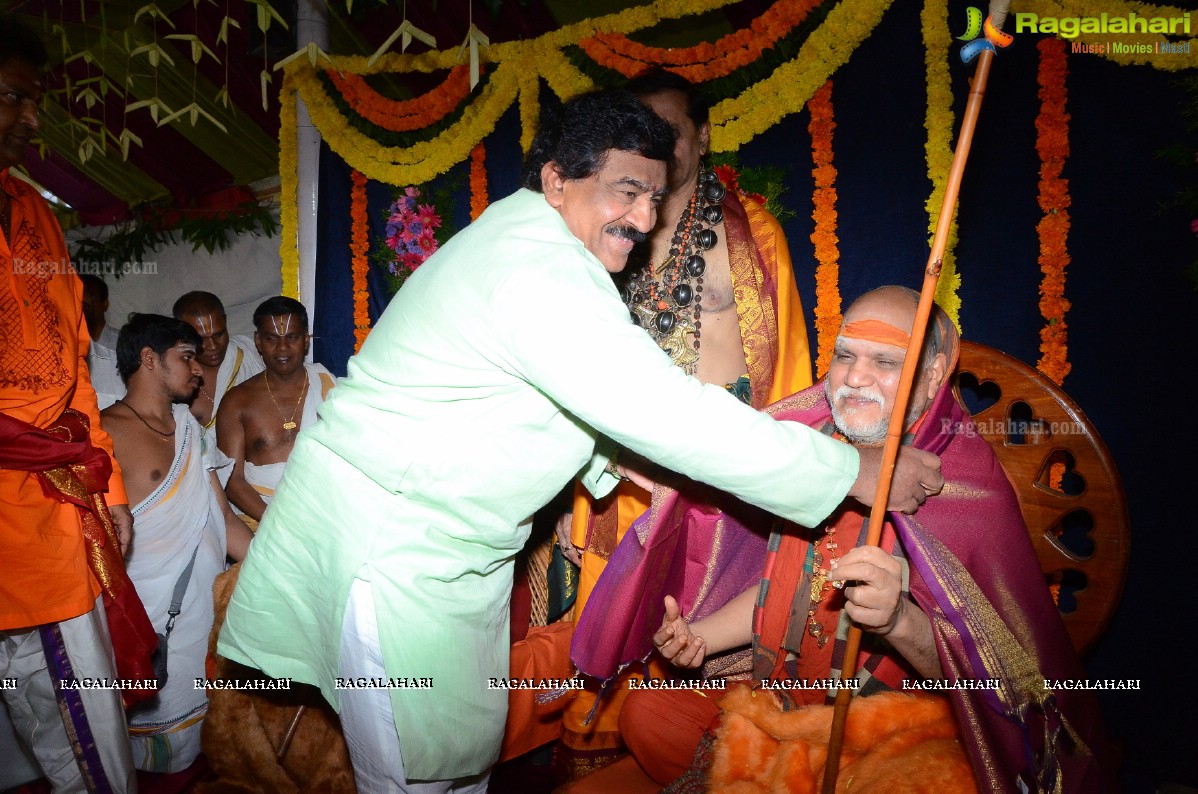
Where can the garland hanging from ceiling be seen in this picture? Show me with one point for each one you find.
(413, 141)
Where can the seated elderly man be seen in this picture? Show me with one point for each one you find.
(954, 593)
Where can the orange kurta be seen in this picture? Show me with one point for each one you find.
(774, 334)
(43, 371)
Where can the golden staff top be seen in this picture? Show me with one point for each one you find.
(894, 432)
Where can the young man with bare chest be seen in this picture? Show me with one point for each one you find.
(224, 360)
(183, 527)
(259, 419)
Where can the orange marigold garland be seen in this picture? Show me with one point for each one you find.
(408, 114)
(1052, 143)
(478, 181)
(359, 244)
(708, 60)
(827, 251)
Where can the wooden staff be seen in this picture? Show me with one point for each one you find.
(894, 432)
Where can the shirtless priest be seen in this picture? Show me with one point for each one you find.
(260, 418)
(183, 527)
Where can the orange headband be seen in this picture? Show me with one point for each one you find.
(876, 331)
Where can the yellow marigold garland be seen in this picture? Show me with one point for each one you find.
(420, 162)
(938, 43)
(478, 181)
(1052, 143)
(708, 60)
(737, 120)
(288, 185)
(827, 252)
(359, 245)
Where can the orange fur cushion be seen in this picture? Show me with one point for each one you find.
(244, 729)
(894, 743)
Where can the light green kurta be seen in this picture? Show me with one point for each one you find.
(479, 395)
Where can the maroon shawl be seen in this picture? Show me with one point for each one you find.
(973, 571)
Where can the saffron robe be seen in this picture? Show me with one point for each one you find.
(43, 371)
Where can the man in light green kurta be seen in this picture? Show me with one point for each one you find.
(492, 379)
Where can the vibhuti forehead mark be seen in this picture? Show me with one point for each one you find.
(286, 329)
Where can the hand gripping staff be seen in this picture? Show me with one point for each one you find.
(984, 50)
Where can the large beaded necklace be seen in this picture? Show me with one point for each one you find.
(667, 300)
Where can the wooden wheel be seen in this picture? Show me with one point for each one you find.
(1068, 487)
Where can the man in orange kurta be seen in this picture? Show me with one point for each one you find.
(752, 310)
(52, 622)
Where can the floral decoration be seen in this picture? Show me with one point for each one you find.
(1052, 143)
(827, 250)
(411, 232)
(288, 185)
(938, 120)
(705, 61)
(359, 246)
(478, 181)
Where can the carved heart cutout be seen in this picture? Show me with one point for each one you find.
(1059, 475)
(1065, 586)
(1024, 428)
(1072, 534)
(977, 395)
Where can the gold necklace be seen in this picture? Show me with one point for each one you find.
(819, 585)
(164, 436)
(288, 424)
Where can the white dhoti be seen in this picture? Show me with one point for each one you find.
(182, 515)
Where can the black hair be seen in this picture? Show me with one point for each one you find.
(579, 135)
(197, 302)
(95, 283)
(18, 41)
(658, 81)
(280, 305)
(154, 331)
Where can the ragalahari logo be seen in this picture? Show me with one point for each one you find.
(992, 36)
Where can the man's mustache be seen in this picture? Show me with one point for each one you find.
(628, 233)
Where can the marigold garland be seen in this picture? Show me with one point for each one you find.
(938, 44)
(408, 114)
(1052, 143)
(478, 181)
(288, 185)
(359, 245)
(737, 120)
(705, 61)
(827, 251)
(422, 161)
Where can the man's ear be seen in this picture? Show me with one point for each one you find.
(936, 374)
(553, 184)
(148, 357)
(704, 139)
(257, 342)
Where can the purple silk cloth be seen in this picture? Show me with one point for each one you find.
(712, 557)
(973, 571)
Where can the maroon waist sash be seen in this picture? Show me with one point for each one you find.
(72, 470)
